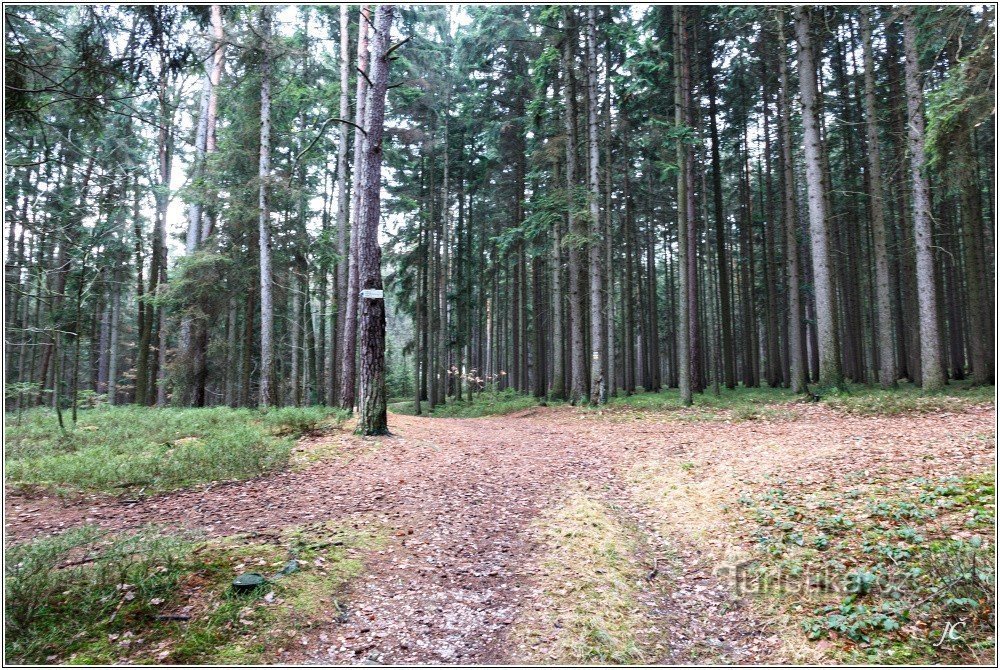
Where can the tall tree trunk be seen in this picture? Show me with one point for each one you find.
(372, 419)
(444, 368)
(886, 350)
(116, 307)
(557, 388)
(349, 337)
(103, 344)
(268, 395)
(932, 372)
(343, 249)
(728, 362)
(971, 213)
(598, 384)
(576, 230)
(796, 344)
(830, 374)
(772, 276)
(683, 185)
(611, 363)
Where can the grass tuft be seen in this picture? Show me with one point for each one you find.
(908, 399)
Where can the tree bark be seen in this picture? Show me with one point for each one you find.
(576, 231)
(349, 337)
(598, 335)
(267, 391)
(372, 419)
(343, 249)
(683, 185)
(830, 374)
(796, 344)
(886, 350)
(932, 372)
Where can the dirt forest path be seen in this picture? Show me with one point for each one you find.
(458, 495)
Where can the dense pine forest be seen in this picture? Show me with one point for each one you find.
(499, 334)
(576, 202)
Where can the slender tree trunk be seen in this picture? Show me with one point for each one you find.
(103, 344)
(349, 337)
(829, 362)
(576, 231)
(728, 362)
(295, 331)
(343, 249)
(268, 394)
(796, 344)
(443, 276)
(886, 350)
(372, 419)
(598, 384)
(971, 216)
(932, 372)
(681, 122)
(611, 363)
(116, 305)
(557, 388)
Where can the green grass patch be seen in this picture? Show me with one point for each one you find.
(909, 399)
(115, 448)
(739, 404)
(486, 403)
(88, 597)
(886, 573)
(779, 404)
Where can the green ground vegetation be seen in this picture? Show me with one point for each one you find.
(739, 404)
(899, 573)
(113, 449)
(486, 403)
(87, 596)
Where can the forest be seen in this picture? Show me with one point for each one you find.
(235, 234)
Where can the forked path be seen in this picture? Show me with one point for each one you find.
(457, 495)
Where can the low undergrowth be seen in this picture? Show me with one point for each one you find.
(115, 448)
(780, 404)
(738, 404)
(886, 573)
(588, 580)
(88, 597)
(486, 403)
(908, 399)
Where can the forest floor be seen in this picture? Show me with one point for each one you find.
(561, 535)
